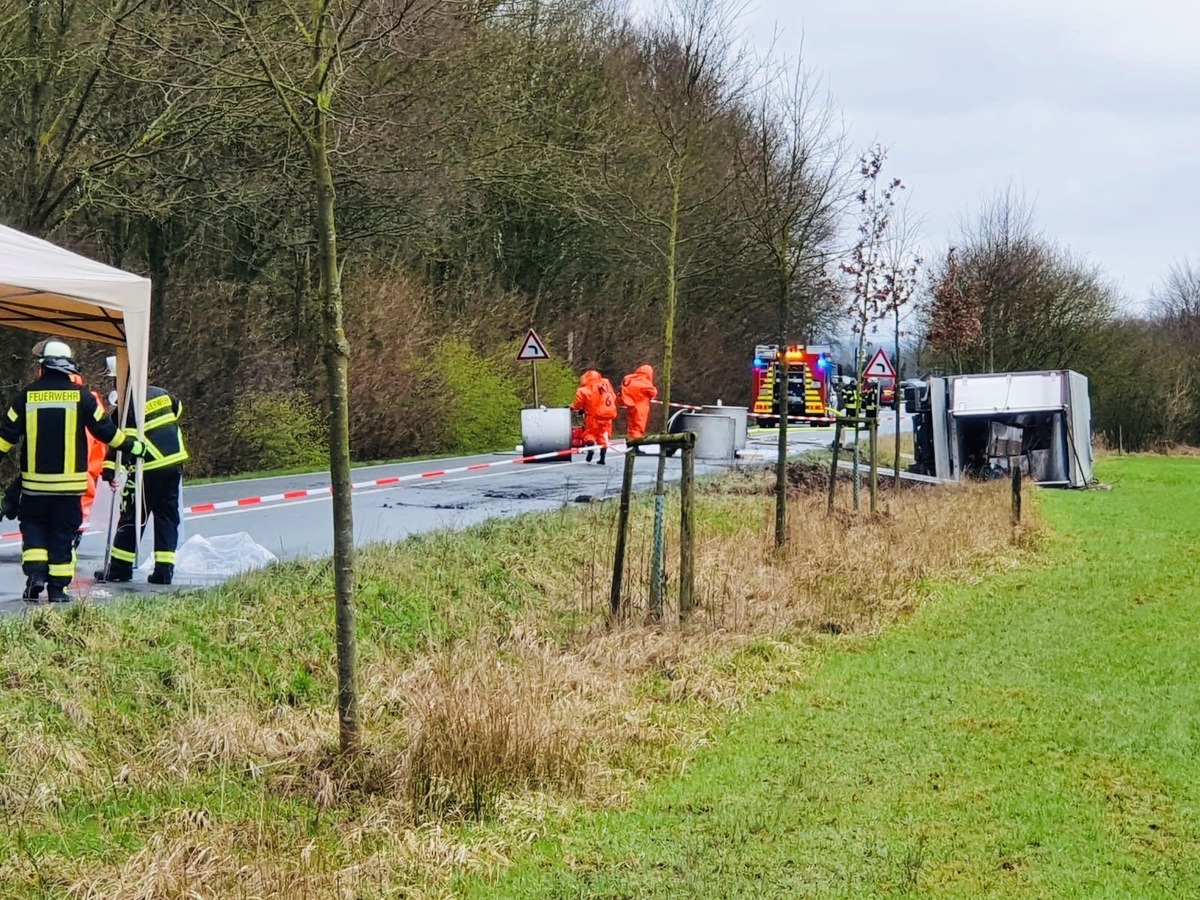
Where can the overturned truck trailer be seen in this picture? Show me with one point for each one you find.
(981, 426)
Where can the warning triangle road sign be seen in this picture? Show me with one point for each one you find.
(879, 366)
(533, 350)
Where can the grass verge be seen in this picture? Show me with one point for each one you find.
(152, 749)
(1034, 735)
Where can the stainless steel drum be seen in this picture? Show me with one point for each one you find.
(545, 430)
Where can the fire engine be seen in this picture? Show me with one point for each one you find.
(810, 374)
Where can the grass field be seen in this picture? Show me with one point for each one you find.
(187, 748)
(1035, 734)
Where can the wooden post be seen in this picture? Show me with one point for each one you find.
(684, 440)
(614, 598)
(1016, 493)
(875, 465)
(833, 469)
(687, 532)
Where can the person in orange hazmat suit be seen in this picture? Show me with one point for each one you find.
(637, 390)
(598, 402)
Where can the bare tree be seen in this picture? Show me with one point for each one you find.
(300, 64)
(1039, 306)
(901, 283)
(791, 192)
(869, 265)
(693, 80)
(953, 313)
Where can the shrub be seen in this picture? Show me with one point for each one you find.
(283, 430)
(481, 399)
(396, 407)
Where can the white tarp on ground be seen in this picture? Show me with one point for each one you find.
(52, 291)
(217, 557)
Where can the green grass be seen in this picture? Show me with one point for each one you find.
(1033, 735)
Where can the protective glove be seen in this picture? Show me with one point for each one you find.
(109, 475)
(135, 449)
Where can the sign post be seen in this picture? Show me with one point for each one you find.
(532, 351)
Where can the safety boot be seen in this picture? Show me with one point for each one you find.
(162, 574)
(588, 456)
(33, 588)
(603, 453)
(57, 593)
(117, 571)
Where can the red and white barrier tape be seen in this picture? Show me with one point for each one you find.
(241, 503)
(201, 508)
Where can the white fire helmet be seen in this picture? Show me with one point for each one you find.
(56, 350)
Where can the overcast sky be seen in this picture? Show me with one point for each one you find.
(1091, 108)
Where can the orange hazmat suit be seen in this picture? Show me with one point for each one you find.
(637, 390)
(598, 401)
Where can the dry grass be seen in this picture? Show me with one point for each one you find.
(493, 686)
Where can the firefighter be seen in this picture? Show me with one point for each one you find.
(598, 402)
(162, 485)
(53, 415)
(870, 400)
(853, 399)
(637, 390)
(10, 508)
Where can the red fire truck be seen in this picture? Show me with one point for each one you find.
(811, 374)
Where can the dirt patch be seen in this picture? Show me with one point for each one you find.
(804, 478)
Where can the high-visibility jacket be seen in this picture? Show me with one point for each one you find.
(164, 438)
(870, 400)
(54, 417)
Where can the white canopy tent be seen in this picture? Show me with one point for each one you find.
(53, 291)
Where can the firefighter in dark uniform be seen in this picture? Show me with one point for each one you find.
(162, 482)
(853, 400)
(870, 400)
(53, 415)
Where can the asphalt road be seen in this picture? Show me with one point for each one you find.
(303, 528)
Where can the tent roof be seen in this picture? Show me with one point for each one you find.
(47, 289)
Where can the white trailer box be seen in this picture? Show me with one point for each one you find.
(1046, 418)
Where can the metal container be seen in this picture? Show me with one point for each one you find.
(741, 418)
(716, 436)
(545, 430)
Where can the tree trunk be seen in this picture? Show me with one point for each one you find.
(896, 403)
(337, 364)
(158, 259)
(781, 455)
(657, 560)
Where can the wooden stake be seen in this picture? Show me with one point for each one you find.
(833, 469)
(1016, 493)
(614, 597)
(874, 424)
(687, 533)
